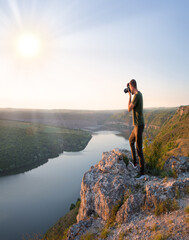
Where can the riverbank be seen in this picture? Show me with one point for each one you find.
(25, 146)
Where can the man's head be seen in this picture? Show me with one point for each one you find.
(133, 86)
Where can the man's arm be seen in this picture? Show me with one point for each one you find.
(130, 104)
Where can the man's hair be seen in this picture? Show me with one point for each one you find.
(133, 83)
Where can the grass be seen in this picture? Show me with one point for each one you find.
(165, 179)
(127, 195)
(88, 236)
(186, 209)
(104, 233)
(187, 221)
(165, 206)
(154, 227)
(160, 236)
(177, 193)
(116, 207)
(186, 190)
(172, 139)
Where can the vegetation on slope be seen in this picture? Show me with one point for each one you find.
(172, 139)
(154, 119)
(24, 146)
(60, 229)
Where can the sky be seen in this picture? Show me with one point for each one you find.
(83, 53)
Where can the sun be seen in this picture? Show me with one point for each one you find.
(28, 45)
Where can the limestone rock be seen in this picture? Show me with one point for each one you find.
(158, 190)
(179, 164)
(112, 181)
(104, 184)
(77, 230)
(131, 206)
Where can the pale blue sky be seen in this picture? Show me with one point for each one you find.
(91, 49)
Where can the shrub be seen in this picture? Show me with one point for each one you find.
(172, 173)
(153, 153)
(72, 206)
(125, 159)
(171, 145)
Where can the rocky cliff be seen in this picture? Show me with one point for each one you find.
(117, 205)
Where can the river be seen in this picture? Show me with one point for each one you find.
(33, 201)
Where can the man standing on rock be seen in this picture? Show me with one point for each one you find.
(136, 105)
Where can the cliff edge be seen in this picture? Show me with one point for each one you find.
(117, 205)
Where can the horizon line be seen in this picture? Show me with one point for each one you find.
(68, 109)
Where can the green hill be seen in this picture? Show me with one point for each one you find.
(154, 119)
(174, 134)
(24, 146)
(171, 140)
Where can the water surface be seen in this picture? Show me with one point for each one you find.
(33, 201)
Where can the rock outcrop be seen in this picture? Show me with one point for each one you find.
(103, 185)
(112, 196)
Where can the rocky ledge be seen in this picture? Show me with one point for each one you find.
(117, 205)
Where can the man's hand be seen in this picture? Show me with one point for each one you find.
(130, 104)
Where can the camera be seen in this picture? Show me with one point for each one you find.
(126, 90)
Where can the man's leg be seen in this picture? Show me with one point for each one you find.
(139, 147)
(132, 145)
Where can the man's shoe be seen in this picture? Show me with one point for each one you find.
(133, 165)
(139, 175)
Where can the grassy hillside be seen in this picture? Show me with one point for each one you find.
(172, 139)
(174, 134)
(24, 146)
(154, 120)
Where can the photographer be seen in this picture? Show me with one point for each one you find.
(136, 105)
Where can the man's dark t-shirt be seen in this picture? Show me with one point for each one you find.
(137, 101)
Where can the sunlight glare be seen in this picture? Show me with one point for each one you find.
(28, 45)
